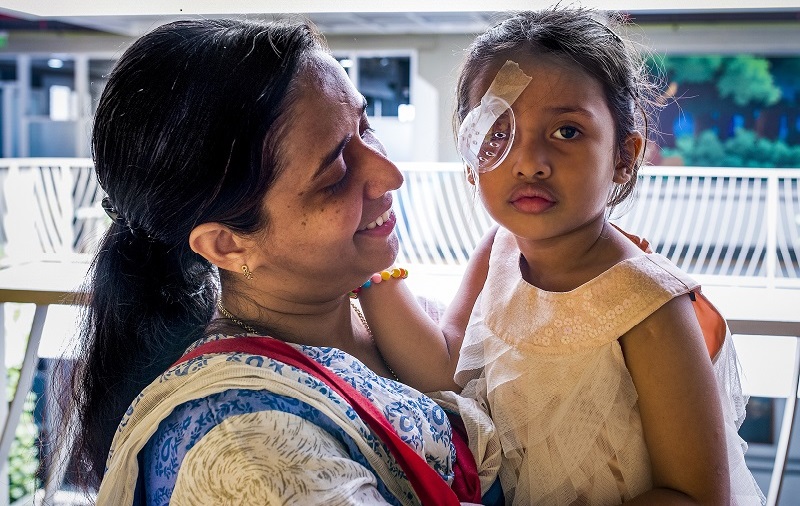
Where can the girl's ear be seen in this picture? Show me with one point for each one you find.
(219, 245)
(630, 152)
(470, 174)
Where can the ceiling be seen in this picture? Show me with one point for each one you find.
(134, 17)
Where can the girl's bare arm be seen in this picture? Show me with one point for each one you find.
(424, 353)
(680, 409)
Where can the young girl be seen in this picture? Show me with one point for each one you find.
(587, 351)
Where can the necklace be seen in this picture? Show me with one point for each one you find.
(372, 338)
(227, 314)
(234, 319)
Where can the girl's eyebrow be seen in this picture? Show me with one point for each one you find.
(569, 110)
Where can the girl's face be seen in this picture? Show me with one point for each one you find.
(563, 162)
(336, 182)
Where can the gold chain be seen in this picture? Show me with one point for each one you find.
(372, 338)
(234, 319)
(361, 317)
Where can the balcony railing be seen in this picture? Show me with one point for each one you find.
(729, 226)
(723, 225)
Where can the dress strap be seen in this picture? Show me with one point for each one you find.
(713, 325)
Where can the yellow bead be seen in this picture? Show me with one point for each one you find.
(385, 275)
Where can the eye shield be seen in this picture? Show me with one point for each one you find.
(487, 132)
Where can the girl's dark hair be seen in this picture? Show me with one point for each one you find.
(186, 132)
(576, 36)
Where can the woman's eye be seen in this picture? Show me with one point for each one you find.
(338, 185)
(368, 132)
(566, 132)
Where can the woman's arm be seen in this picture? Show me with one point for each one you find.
(679, 406)
(421, 352)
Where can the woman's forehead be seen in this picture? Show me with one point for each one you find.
(325, 109)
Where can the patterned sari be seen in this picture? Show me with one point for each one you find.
(242, 428)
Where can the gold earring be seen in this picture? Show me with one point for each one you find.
(246, 272)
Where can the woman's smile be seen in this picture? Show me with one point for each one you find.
(382, 226)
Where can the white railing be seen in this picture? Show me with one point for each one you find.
(722, 225)
(49, 206)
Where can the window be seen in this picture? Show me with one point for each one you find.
(384, 80)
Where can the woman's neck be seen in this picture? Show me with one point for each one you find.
(317, 323)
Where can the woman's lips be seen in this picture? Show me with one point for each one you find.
(383, 224)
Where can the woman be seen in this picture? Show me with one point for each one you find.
(249, 195)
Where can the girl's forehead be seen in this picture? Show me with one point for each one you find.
(543, 69)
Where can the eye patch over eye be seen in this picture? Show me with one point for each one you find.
(487, 132)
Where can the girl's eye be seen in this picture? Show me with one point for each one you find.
(566, 133)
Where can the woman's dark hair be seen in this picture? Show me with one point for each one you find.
(576, 36)
(186, 132)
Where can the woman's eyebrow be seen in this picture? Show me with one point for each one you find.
(332, 156)
(335, 152)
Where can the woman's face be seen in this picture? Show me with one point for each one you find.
(335, 185)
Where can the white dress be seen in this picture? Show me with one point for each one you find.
(549, 368)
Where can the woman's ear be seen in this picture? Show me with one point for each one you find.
(629, 153)
(219, 245)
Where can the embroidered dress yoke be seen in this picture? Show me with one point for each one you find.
(550, 368)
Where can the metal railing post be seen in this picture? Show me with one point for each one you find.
(772, 229)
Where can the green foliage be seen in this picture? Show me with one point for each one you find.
(692, 69)
(786, 72)
(747, 79)
(23, 457)
(744, 149)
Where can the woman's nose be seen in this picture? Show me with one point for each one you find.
(382, 175)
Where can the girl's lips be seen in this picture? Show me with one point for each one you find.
(532, 199)
(533, 205)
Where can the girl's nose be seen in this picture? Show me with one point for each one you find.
(532, 162)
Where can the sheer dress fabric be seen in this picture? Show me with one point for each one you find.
(549, 368)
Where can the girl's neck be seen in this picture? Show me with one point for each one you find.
(563, 263)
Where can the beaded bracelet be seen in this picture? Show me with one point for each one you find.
(393, 273)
